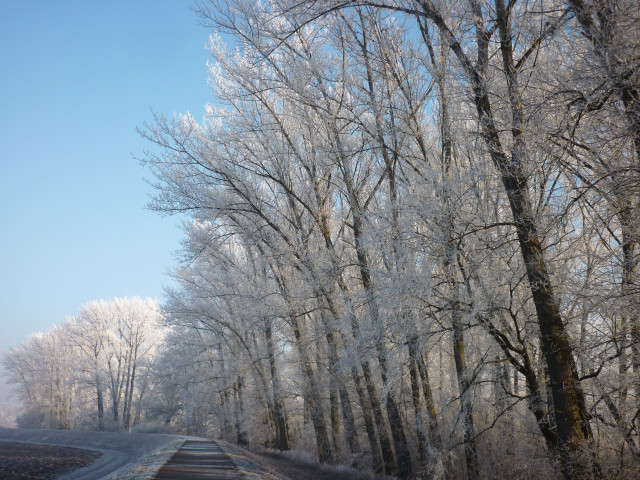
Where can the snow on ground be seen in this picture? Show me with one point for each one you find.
(124, 455)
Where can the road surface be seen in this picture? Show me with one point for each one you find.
(199, 460)
(125, 456)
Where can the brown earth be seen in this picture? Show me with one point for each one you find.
(28, 461)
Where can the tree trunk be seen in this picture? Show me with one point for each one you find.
(314, 400)
(368, 416)
(279, 413)
(459, 355)
(322, 327)
(100, 401)
(127, 382)
(419, 375)
(428, 398)
(565, 385)
(630, 291)
(336, 378)
(417, 414)
(127, 416)
(334, 415)
(390, 466)
(466, 405)
(243, 439)
(345, 403)
(372, 410)
(568, 400)
(403, 457)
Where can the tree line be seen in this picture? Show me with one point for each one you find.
(411, 236)
(92, 371)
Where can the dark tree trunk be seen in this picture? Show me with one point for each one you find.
(279, 414)
(334, 415)
(417, 415)
(403, 457)
(313, 399)
(428, 398)
(466, 405)
(339, 389)
(369, 422)
(388, 457)
(127, 415)
(100, 401)
(243, 439)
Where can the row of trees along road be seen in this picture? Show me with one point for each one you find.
(411, 238)
(92, 371)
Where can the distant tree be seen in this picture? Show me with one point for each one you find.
(106, 343)
(43, 371)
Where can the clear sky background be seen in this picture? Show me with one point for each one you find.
(76, 79)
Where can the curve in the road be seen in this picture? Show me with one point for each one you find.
(199, 460)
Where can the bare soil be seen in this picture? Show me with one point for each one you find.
(28, 461)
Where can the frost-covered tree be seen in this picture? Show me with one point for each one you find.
(70, 375)
(44, 373)
(406, 205)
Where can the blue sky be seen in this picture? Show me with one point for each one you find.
(76, 79)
